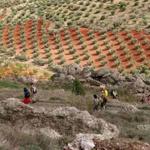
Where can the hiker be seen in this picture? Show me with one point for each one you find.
(33, 91)
(96, 102)
(26, 99)
(114, 94)
(104, 96)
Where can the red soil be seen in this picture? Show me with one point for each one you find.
(17, 40)
(28, 38)
(39, 37)
(5, 37)
(83, 46)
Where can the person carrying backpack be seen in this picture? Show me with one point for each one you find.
(26, 99)
(96, 102)
(104, 96)
(114, 94)
(33, 91)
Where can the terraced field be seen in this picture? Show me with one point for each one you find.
(95, 33)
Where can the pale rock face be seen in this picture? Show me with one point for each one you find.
(139, 83)
(50, 133)
(86, 141)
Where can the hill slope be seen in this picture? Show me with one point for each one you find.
(95, 33)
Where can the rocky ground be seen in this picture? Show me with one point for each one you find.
(61, 120)
(136, 84)
(19, 121)
(56, 118)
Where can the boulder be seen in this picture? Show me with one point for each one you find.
(139, 83)
(120, 144)
(48, 132)
(144, 127)
(91, 81)
(104, 72)
(27, 80)
(57, 69)
(86, 73)
(72, 69)
(70, 78)
(147, 81)
(118, 106)
(130, 78)
(62, 76)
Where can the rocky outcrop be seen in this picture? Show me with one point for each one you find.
(90, 142)
(120, 144)
(27, 80)
(138, 84)
(70, 72)
(55, 123)
(117, 106)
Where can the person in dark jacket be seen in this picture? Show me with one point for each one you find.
(96, 102)
(26, 99)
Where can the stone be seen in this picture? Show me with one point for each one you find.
(91, 81)
(103, 72)
(130, 78)
(74, 69)
(70, 77)
(48, 132)
(122, 107)
(62, 76)
(86, 141)
(139, 83)
(144, 127)
(28, 80)
(86, 73)
(147, 81)
(57, 69)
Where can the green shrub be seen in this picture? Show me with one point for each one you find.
(77, 87)
(21, 57)
(39, 62)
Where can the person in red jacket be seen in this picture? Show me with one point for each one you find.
(26, 99)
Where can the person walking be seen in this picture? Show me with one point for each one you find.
(33, 91)
(104, 96)
(26, 99)
(96, 102)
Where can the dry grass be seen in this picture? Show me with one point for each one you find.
(22, 141)
(128, 122)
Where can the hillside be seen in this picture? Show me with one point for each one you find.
(73, 51)
(95, 33)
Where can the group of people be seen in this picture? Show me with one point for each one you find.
(102, 99)
(98, 101)
(29, 94)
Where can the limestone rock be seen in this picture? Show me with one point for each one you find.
(66, 116)
(27, 80)
(103, 72)
(87, 72)
(50, 133)
(122, 106)
(139, 83)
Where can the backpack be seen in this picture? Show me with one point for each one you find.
(34, 90)
(26, 94)
(114, 93)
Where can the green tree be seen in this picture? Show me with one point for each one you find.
(77, 87)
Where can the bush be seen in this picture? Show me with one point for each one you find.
(21, 57)
(77, 88)
(39, 62)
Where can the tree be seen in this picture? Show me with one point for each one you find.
(77, 88)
